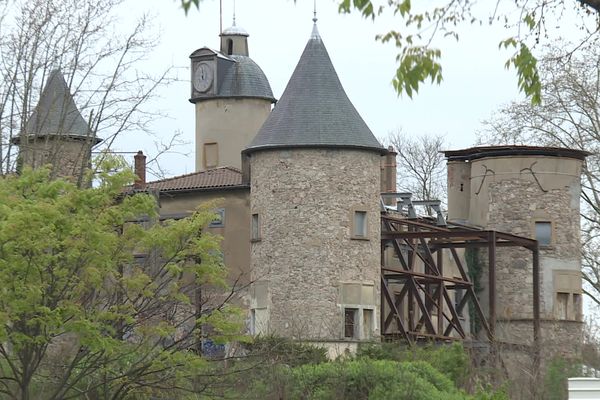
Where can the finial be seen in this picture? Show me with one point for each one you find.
(233, 12)
(315, 31)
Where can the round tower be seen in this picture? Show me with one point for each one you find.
(315, 205)
(532, 192)
(232, 97)
(56, 133)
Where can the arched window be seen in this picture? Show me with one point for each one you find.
(229, 46)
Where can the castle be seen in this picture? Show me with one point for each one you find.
(315, 235)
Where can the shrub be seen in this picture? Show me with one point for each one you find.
(277, 350)
(451, 360)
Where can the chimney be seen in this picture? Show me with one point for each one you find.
(140, 170)
(388, 175)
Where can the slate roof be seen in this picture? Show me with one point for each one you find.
(245, 78)
(314, 110)
(56, 112)
(221, 177)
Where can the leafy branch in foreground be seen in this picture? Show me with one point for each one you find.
(422, 25)
(95, 303)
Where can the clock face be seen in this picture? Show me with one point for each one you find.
(203, 77)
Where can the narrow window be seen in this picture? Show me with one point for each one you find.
(229, 46)
(255, 227)
(252, 322)
(562, 304)
(543, 233)
(367, 324)
(211, 155)
(219, 220)
(458, 297)
(350, 320)
(577, 306)
(360, 224)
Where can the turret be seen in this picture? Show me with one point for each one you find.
(533, 192)
(56, 133)
(315, 205)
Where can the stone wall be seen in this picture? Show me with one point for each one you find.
(514, 207)
(68, 157)
(305, 199)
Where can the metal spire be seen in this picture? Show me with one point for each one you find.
(233, 12)
(315, 11)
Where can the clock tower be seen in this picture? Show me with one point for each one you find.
(232, 97)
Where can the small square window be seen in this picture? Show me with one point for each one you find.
(543, 233)
(350, 322)
(219, 220)
(255, 228)
(360, 224)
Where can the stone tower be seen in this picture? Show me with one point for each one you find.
(56, 133)
(232, 97)
(315, 205)
(532, 192)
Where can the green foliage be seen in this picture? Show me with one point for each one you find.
(379, 371)
(451, 360)
(526, 65)
(187, 4)
(79, 313)
(277, 350)
(556, 378)
(418, 61)
(370, 379)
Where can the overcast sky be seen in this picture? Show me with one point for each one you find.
(475, 81)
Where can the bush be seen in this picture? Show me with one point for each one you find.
(277, 350)
(556, 378)
(370, 379)
(451, 360)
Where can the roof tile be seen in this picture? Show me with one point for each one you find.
(213, 178)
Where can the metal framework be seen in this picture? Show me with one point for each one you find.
(418, 302)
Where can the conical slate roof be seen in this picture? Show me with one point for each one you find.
(314, 110)
(56, 112)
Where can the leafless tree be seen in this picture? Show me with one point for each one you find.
(568, 117)
(421, 166)
(99, 61)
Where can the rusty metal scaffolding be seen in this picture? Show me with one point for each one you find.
(410, 295)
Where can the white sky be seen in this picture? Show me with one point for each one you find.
(475, 81)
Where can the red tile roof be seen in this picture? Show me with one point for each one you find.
(213, 178)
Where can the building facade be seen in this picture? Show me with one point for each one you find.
(298, 193)
(531, 192)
